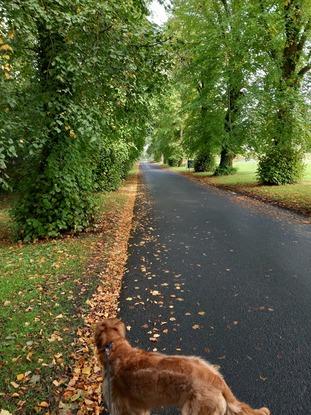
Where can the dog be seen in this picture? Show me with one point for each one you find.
(141, 381)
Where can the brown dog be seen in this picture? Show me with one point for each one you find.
(142, 380)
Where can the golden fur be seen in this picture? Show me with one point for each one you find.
(141, 381)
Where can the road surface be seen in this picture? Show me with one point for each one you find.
(212, 275)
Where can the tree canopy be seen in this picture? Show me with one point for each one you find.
(242, 77)
(76, 81)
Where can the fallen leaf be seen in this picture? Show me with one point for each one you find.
(43, 404)
(35, 379)
(86, 370)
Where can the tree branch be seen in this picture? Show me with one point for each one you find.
(224, 2)
(271, 51)
(304, 70)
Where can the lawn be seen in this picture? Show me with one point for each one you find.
(43, 291)
(295, 196)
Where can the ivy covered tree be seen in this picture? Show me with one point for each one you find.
(285, 28)
(83, 73)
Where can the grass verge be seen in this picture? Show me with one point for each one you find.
(44, 288)
(295, 197)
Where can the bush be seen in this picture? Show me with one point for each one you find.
(225, 171)
(57, 196)
(110, 169)
(204, 161)
(280, 166)
(174, 161)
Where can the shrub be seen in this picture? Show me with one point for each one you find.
(280, 166)
(56, 197)
(174, 161)
(204, 161)
(224, 171)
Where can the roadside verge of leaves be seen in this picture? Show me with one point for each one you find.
(82, 394)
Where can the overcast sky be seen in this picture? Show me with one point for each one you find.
(158, 14)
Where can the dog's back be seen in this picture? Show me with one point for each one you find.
(144, 380)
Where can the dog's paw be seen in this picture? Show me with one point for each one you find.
(264, 411)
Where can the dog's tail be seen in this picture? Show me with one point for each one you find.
(235, 407)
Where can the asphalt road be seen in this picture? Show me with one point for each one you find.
(212, 275)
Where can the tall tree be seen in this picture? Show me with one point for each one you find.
(285, 29)
(213, 66)
(90, 67)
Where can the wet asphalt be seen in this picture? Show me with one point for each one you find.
(212, 275)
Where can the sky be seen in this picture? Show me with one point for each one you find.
(158, 13)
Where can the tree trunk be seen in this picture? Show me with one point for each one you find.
(226, 159)
(227, 155)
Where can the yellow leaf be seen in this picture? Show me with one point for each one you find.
(43, 404)
(86, 370)
(21, 376)
(6, 48)
(72, 134)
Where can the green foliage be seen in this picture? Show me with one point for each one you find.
(242, 78)
(224, 171)
(111, 168)
(77, 77)
(167, 131)
(59, 198)
(204, 161)
(280, 166)
(174, 161)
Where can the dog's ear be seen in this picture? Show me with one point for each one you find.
(100, 330)
(120, 326)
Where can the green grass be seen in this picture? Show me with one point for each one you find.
(42, 285)
(294, 196)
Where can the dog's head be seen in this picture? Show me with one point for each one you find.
(108, 331)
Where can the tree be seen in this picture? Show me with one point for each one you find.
(242, 71)
(90, 69)
(213, 66)
(167, 129)
(285, 29)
